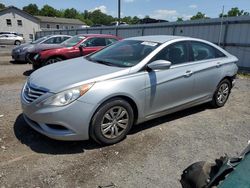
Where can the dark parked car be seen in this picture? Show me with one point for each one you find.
(79, 45)
(226, 172)
(22, 52)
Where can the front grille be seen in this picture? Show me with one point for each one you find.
(30, 94)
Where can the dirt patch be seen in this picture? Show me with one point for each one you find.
(154, 154)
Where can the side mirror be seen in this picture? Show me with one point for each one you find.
(159, 65)
(83, 45)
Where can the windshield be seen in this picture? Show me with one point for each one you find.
(39, 40)
(125, 53)
(73, 41)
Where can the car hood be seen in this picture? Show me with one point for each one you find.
(71, 73)
(41, 47)
(23, 46)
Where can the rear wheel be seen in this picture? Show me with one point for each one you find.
(112, 122)
(222, 93)
(52, 60)
(17, 42)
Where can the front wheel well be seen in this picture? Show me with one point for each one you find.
(127, 99)
(55, 56)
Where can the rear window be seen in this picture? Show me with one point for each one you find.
(202, 51)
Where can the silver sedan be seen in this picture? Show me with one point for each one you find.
(102, 95)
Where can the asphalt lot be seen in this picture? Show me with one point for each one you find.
(154, 154)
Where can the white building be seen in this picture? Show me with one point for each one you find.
(13, 19)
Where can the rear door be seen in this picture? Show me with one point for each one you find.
(207, 70)
(171, 88)
(93, 44)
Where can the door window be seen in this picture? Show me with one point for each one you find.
(53, 40)
(95, 42)
(201, 51)
(176, 53)
(110, 41)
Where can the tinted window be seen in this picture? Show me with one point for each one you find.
(201, 51)
(110, 41)
(95, 42)
(53, 40)
(175, 53)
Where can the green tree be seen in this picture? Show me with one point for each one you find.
(135, 20)
(31, 9)
(2, 6)
(179, 19)
(97, 17)
(235, 11)
(50, 11)
(70, 13)
(198, 16)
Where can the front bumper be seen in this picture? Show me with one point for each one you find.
(69, 122)
(18, 56)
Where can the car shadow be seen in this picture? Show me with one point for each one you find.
(168, 118)
(42, 144)
(28, 72)
(17, 62)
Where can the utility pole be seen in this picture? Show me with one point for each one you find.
(221, 24)
(119, 11)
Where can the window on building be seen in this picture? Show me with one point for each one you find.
(57, 26)
(19, 22)
(72, 27)
(66, 27)
(48, 26)
(31, 37)
(8, 21)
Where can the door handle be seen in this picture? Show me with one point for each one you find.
(218, 64)
(188, 73)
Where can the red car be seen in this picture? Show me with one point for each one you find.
(79, 45)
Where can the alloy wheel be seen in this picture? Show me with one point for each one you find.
(114, 122)
(223, 93)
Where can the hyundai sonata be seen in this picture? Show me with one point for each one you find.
(100, 96)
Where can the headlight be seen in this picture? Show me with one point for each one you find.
(66, 97)
(36, 56)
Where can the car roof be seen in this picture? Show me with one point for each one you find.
(97, 35)
(156, 38)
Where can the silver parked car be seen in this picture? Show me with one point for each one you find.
(20, 53)
(103, 94)
(11, 39)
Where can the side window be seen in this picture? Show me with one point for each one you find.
(53, 40)
(95, 42)
(201, 51)
(110, 41)
(176, 53)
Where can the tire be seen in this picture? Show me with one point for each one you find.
(111, 122)
(17, 42)
(52, 60)
(221, 94)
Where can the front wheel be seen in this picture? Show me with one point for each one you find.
(52, 60)
(222, 93)
(112, 122)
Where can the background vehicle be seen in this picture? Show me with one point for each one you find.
(20, 53)
(11, 39)
(226, 172)
(76, 46)
(116, 23)
(103, 94)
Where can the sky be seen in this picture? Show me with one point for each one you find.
(159, 9)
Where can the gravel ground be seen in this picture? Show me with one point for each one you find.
(153, 155)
